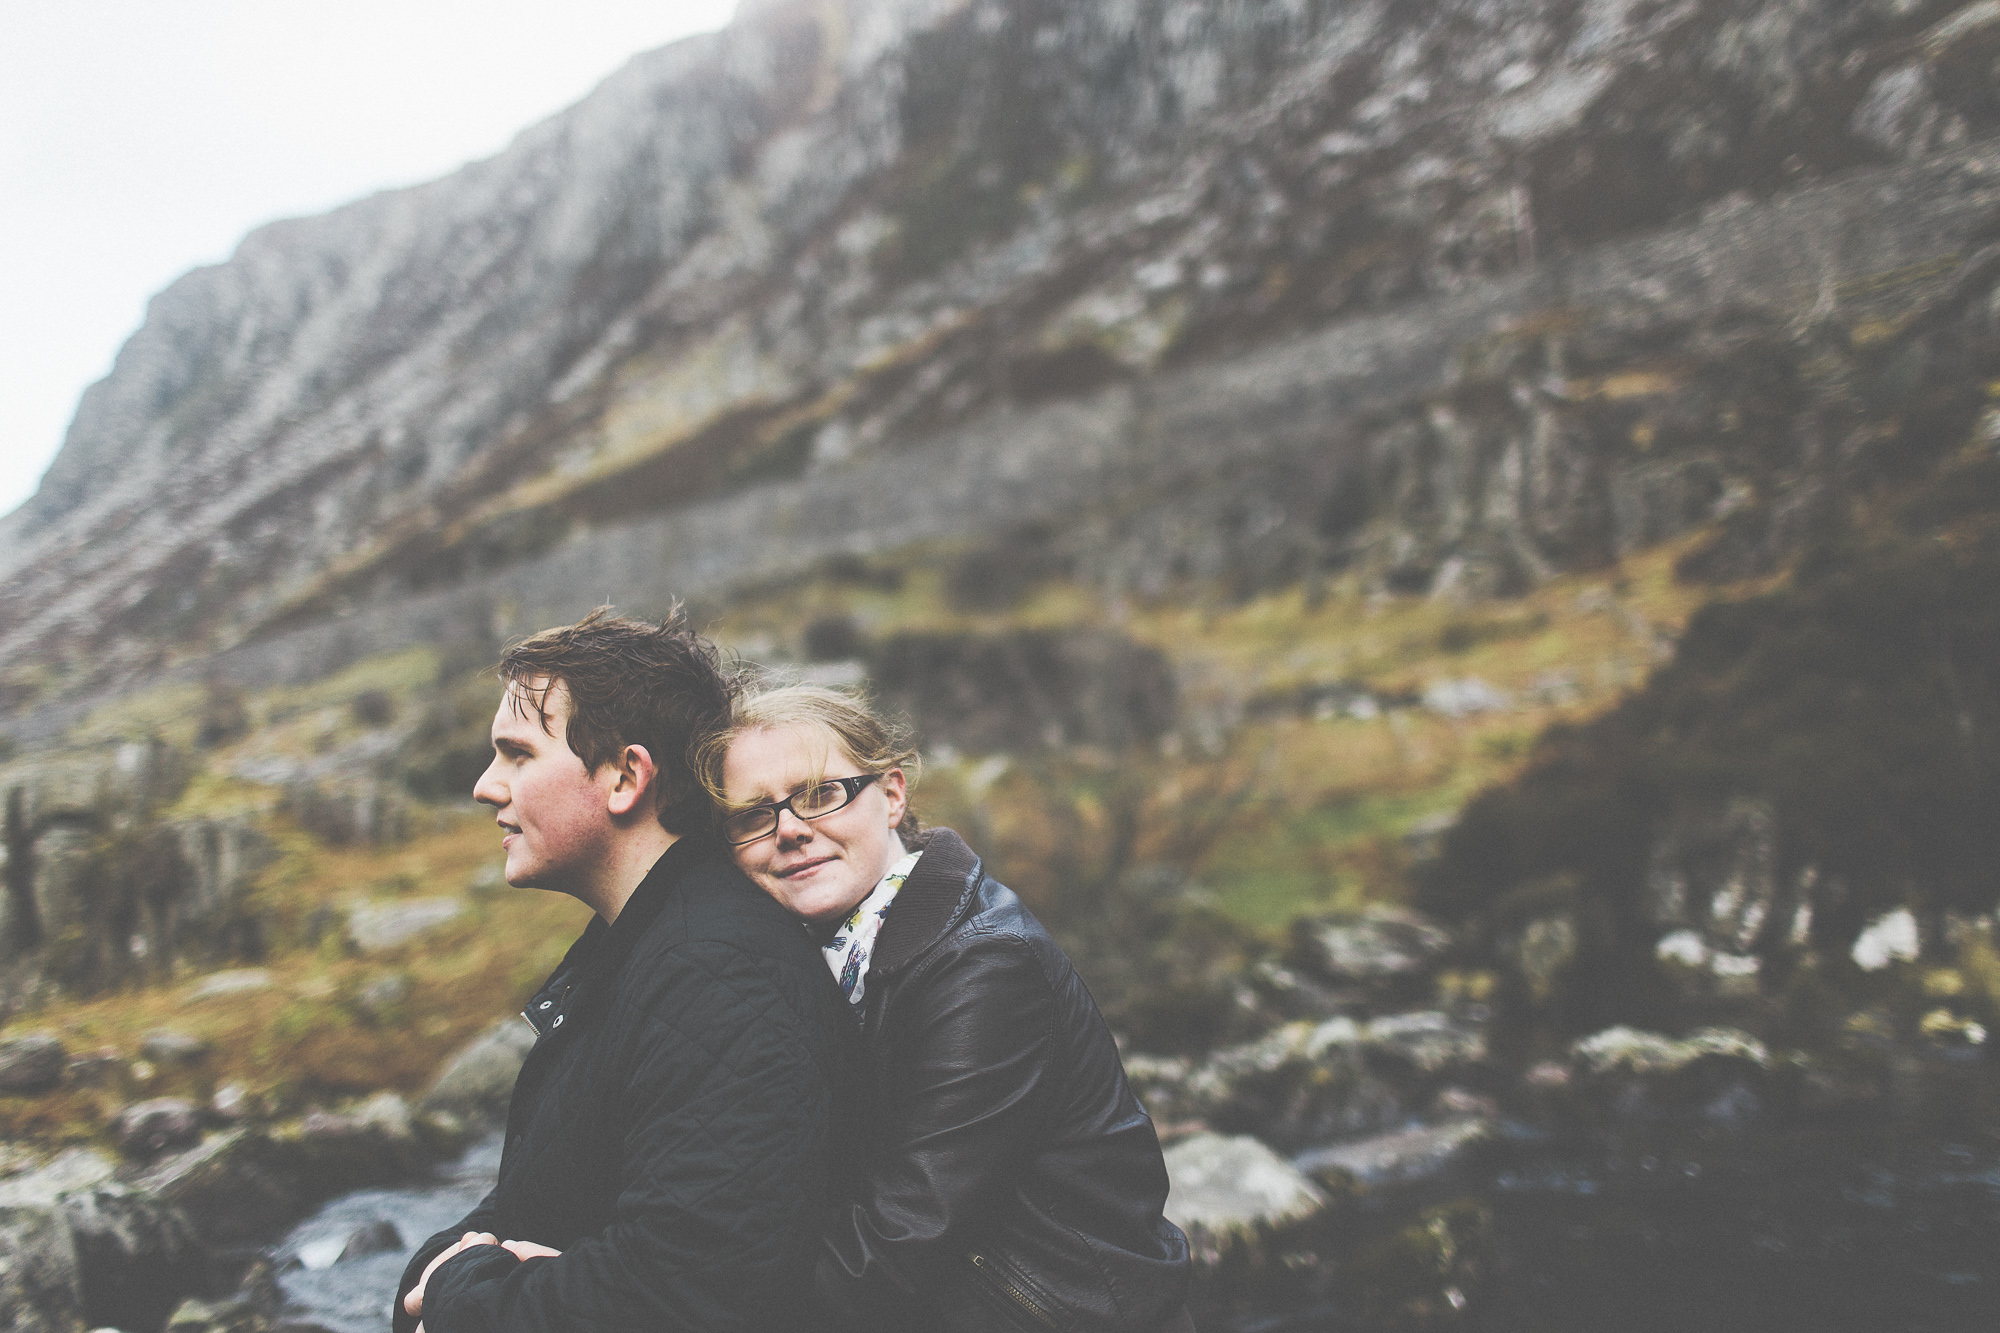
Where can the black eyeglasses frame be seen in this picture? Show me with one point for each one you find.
(852, 786)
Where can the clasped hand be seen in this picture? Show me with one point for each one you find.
(520, 1249)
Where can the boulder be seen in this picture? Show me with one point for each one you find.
(146, 1129)
(1377, 946)
(377, 1237)
(380, 997)
(163, 1046)
(236, 1188)
(70, 1171)
(236, 982)
(1624, 1050)
(1226, 1189)
(375, 927)
(31, 1064)
(373, 1142)
(1402, 1157)
(95, 1068)
(1428, 1040)
(478, 1081)
(137, 1256)
(40, 1287)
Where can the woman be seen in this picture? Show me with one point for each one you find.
(1008, 1179)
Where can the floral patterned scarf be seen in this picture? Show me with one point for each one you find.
(847, 952)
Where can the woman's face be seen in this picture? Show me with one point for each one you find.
(819, 869)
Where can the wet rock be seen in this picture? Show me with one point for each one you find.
(373, 1142)
(137, 1256)
(70, 1171)
(31, 1064)
(164, 1046)
(1225, 1189)
(232, 1102)
(1405, 1156)
(235, 982)
(378, 1237)
(477, 1082)
(1631, 1051)
(1889, 938)
(1378, 945)
(375, 927)
(40, 1288)
(236, 1188)
(1464, 697)
(1429, 1040)
(164, 1124)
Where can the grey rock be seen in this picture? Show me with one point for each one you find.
(40, 1281)
(95, 1069)
(235, 982)
(1406, 1156)
(164, 1124)
(477, 1082)
(31, 1064)
(137, 1256)
(377, 1237)
(72, 1170)
(235, 1188)
(163, 1046)
(375, 927)
(384, 993)
(1379, 944)
(1228, 1188)
(1430, 1040)
(1624, 1050)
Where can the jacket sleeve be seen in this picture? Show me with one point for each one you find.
(483, 1218)
(963, 1103)
(722, 1168)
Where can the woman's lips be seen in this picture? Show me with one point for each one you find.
(803, 866)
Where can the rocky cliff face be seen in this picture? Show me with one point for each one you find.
(857, 240)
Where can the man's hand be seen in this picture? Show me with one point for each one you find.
(414, 1302)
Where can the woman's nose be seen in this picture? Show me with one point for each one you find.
(791, 829)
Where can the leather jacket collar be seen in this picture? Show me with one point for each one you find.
(940, 890)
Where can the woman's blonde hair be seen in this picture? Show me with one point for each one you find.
(875, 743)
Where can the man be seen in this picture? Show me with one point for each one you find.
(673, 1134)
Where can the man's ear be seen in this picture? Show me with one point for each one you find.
(633, 777)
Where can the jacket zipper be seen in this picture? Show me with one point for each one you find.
(1006, 1284)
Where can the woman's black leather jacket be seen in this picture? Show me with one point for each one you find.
(1008, 1178)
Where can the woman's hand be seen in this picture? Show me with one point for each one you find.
(527, 1249)
(414, 1302)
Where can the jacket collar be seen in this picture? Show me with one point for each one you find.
(946, 878)
(602, 949)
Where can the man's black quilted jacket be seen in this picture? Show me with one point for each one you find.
(674, 1130)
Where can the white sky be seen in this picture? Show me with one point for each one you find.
(139, 138)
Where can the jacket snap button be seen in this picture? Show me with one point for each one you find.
(558, 1022)
(547, 1003)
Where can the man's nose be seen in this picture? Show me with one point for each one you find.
(489, 790)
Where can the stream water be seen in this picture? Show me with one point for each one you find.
(352, 1295)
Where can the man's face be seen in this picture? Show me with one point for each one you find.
(552, 811)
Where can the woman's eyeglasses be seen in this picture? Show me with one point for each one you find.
(821, 798)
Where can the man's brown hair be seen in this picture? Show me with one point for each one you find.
(632, 683)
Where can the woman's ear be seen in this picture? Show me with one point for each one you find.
(633, 776)
(897, 788)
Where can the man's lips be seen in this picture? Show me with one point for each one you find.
(802, 867)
